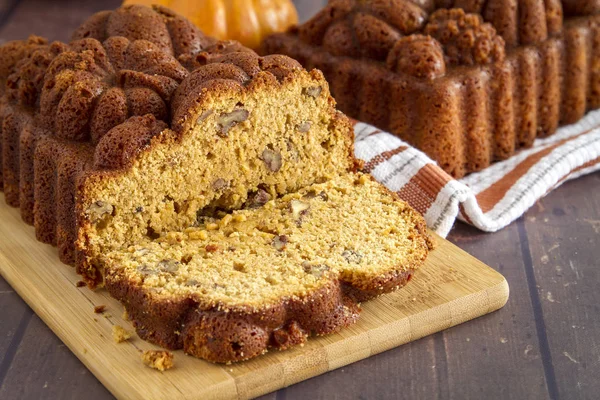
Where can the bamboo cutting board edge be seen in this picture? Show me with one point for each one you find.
(453, 287)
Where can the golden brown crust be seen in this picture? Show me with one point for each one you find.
(227, 71)
(119, 147)
(417, 55)
(171, 33)
(505, 61)
(229, 335)
(581, 7)
(13, 52)
(466, 39)
(95, 87)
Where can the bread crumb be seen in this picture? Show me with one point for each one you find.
(107, 315)
(161, 360)
(125, 315)
(239, 217)
(570, 357)
(120, 334)
(99, 309)
(84, 350)
(198, 235)
(80, 284)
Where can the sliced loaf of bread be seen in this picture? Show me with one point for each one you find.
(212, 191)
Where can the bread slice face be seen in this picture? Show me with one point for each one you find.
(237, 284)
(232, 143)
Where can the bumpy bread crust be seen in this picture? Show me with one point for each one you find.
(417, 55)
(466, 39)
(511, 65)
(13, 52)
(95, 87)
(168, 31)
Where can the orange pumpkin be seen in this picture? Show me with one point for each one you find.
(247, 21)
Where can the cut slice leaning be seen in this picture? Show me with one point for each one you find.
(233, 286)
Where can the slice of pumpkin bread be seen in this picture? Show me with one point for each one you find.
(237, 284)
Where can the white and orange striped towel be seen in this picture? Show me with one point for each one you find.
(490, 199)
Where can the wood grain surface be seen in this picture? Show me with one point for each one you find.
(451, 288)
(517, 352)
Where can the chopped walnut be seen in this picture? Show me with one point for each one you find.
(170, 266)
(272, 159)
(258, 199)
(280, 242)
(303, 127)
(312, 194)
(352, 256)
(99, 210)
(203, 116)
(227, 121)
(316, 270)
(312, 91)
(299, 208)
(220, 184)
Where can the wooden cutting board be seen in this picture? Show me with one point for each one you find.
(451, 288)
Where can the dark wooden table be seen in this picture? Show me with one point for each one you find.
(545, 343)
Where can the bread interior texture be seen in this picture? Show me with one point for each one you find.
(348, 229)
(242, 149)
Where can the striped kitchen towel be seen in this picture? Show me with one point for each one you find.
(489, 199)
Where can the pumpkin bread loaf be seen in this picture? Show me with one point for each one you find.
(230, 287)
(141, 127)
(467, 82)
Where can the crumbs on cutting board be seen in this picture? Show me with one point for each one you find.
(120, 334)
(161, 360)
(100, 309)
(80, 284)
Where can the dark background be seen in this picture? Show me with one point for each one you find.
(545, 343)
